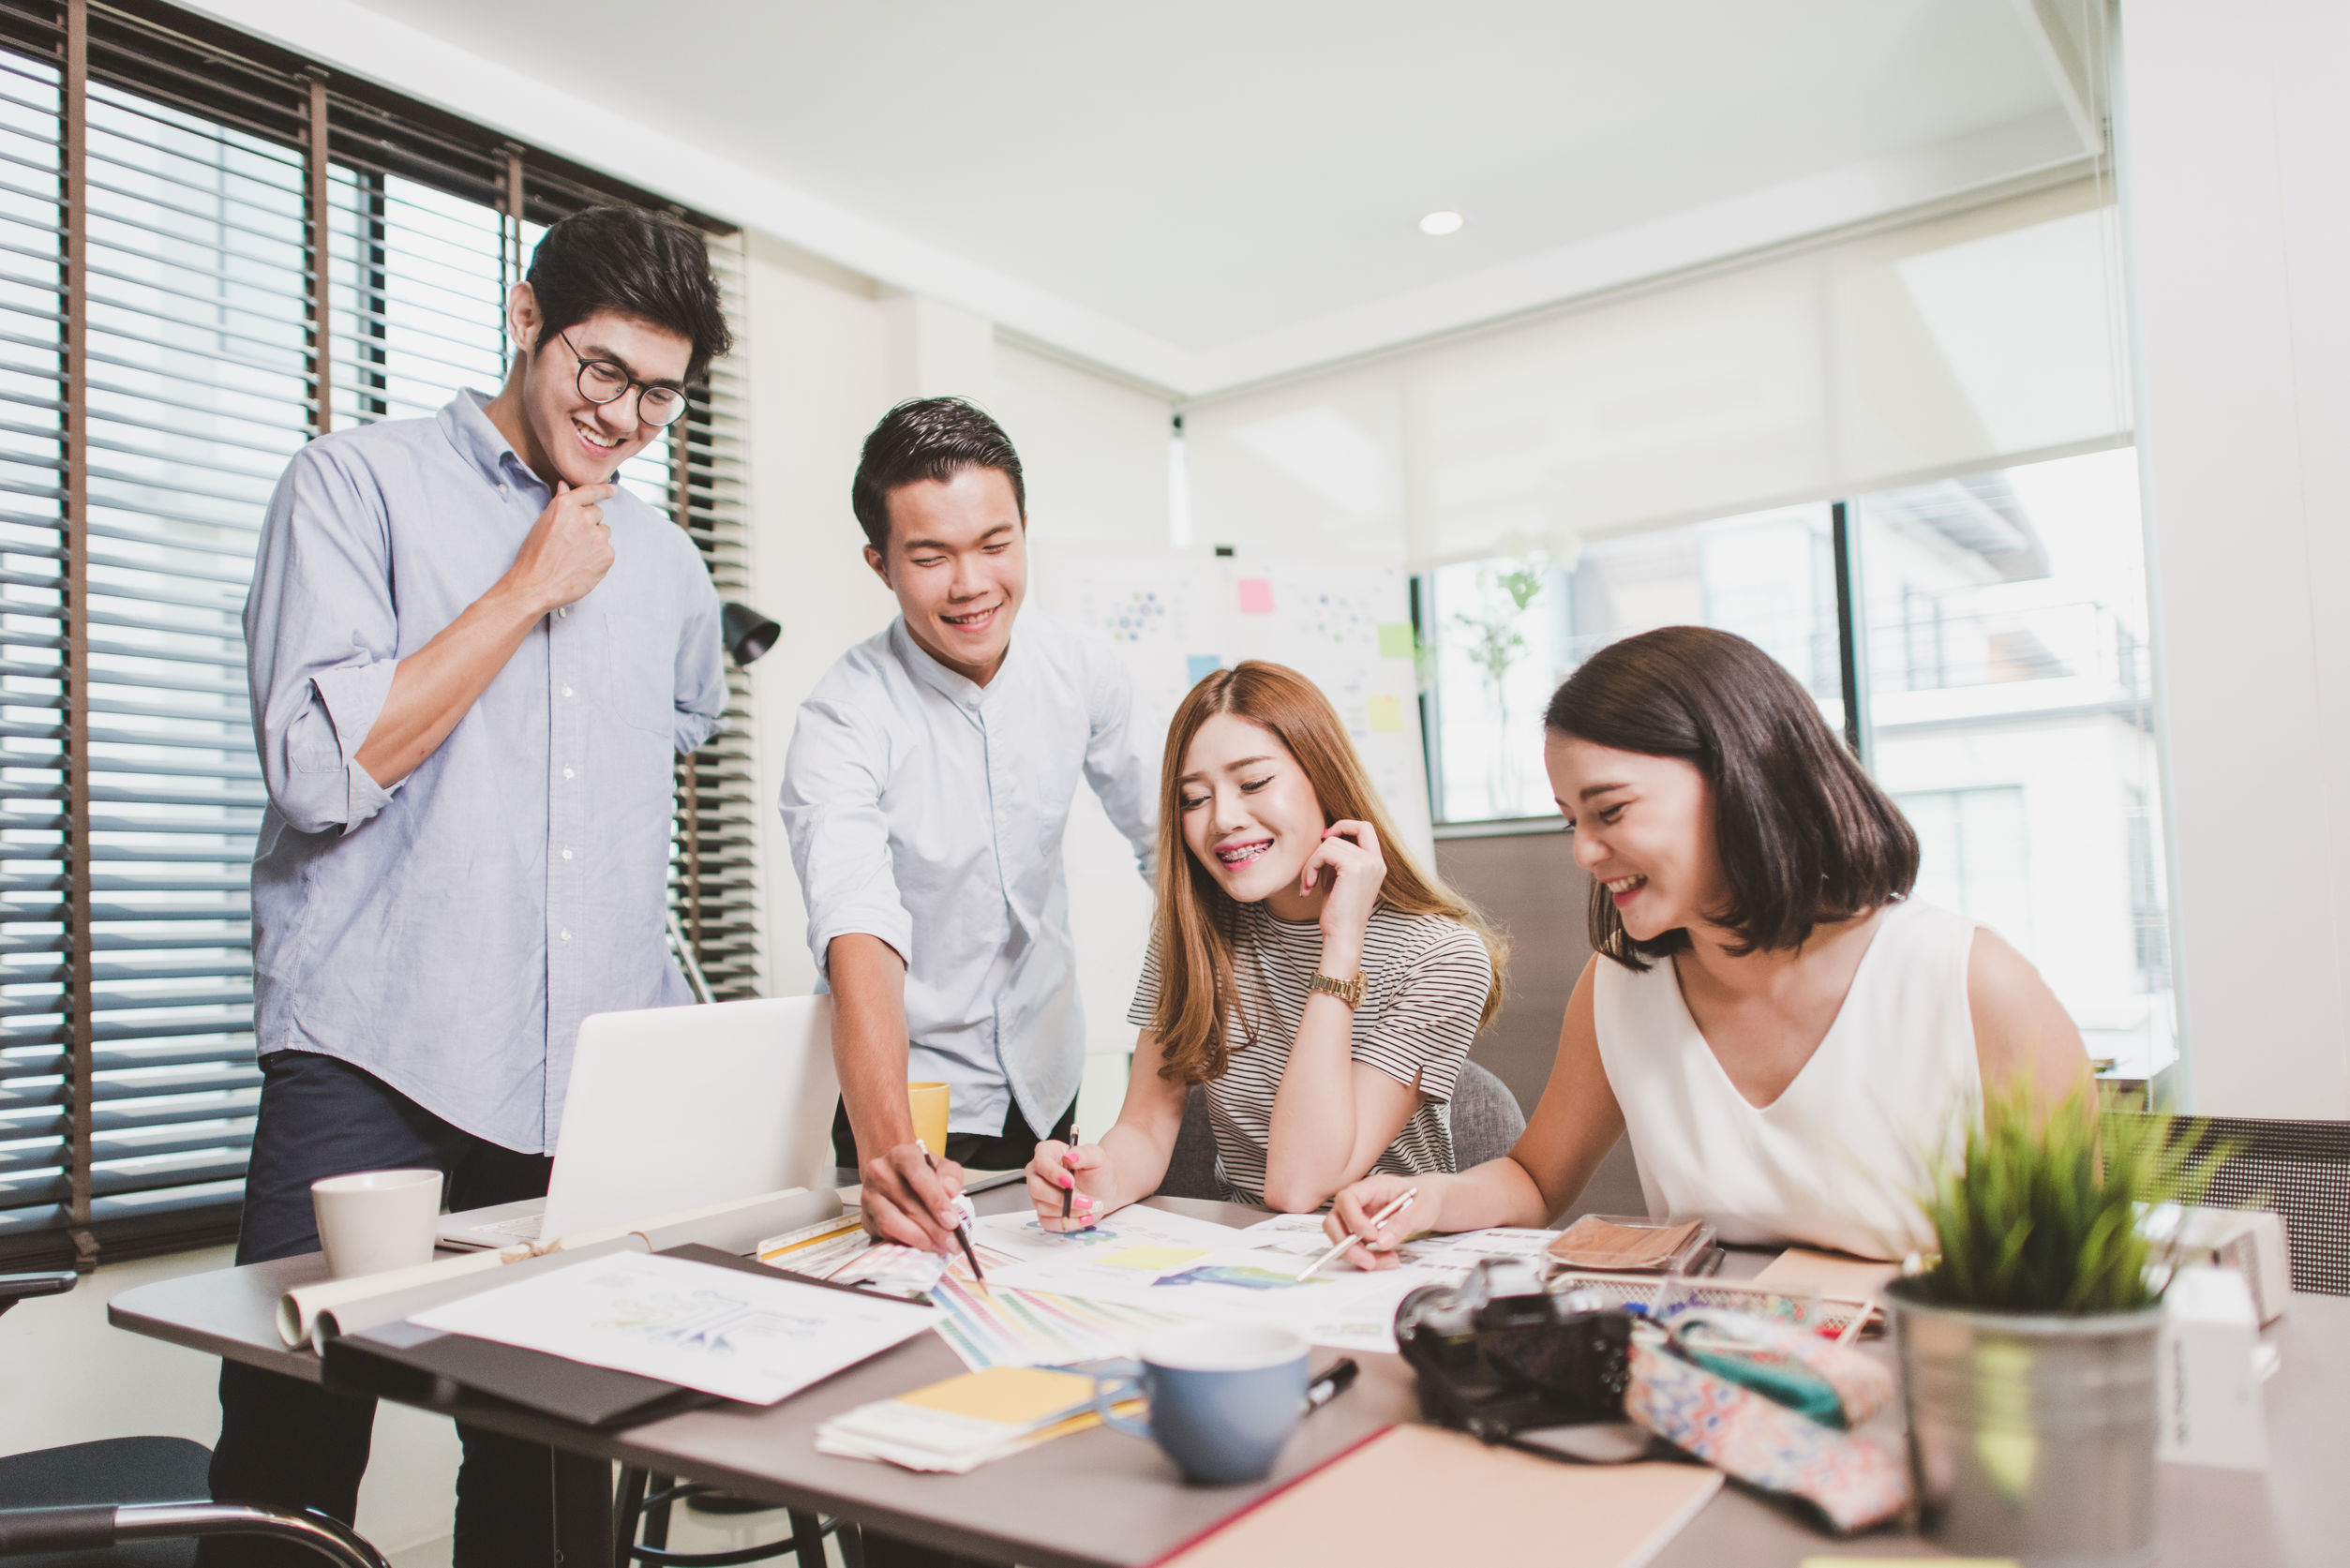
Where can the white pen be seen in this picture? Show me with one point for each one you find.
(1380, 1218)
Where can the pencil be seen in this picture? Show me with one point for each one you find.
(1388, 1212)
(961, 1226)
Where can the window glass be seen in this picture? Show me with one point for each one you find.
(2011, 713)
(1503, 632)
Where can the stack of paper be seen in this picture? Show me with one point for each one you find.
(960, 1424)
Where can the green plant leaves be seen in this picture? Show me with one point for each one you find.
(2036, 1217)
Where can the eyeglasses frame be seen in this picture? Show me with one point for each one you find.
(580, 379)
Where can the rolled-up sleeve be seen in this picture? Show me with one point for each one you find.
(322, 642)
(1119, 778)
(833, 773)
(701, 666)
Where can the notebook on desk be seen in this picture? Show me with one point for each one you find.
(1470, 1503)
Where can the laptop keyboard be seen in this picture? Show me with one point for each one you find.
(522, 1227)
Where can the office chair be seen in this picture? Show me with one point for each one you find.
(135, 1502)
(2300, 1170)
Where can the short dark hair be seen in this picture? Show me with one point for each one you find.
(632, 262)
(928, 438)
(1805, 836)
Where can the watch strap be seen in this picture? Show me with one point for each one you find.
(1350, 991)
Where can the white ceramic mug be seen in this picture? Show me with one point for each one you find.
(370, 1222)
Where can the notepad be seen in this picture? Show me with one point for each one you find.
(959, 1425)
(1482, 1505)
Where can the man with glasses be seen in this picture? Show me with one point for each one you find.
(473, 661)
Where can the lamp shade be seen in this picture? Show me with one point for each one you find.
(746, 633)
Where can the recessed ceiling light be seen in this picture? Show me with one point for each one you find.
(1440, 223)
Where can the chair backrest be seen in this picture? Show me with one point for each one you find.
(2300, 1170)
(1486, 1121)
(1191, 1169)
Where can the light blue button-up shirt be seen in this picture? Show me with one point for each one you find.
(449, 934)
(928, 811)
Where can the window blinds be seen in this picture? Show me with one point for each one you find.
(165, 345)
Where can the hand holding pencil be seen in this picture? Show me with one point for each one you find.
(1369, 1220)
(1069, 1182)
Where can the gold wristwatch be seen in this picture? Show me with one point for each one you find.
(1350, 991)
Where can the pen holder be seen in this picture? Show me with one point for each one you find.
(1223, 1397)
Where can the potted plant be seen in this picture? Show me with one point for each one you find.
(2028, 1347)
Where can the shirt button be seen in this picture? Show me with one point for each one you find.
(566, 772)
(566, 854)
(566, 935)
(566, 691)
(502, 492)
(564, 612)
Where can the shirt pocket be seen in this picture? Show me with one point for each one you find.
(640, 671)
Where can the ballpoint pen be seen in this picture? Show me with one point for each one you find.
(1384, 1215)
(963, 1217)
(1069, 1193)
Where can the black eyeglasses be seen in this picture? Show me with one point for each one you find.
(607, 380)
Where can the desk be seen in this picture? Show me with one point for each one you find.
(1100, 1499)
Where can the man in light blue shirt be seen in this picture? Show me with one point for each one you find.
(925, 793)
(473, 662)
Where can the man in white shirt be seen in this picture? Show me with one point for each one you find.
(925, 793)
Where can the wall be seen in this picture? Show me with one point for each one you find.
(2235, 148)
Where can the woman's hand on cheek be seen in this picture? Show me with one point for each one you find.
(1349, 863)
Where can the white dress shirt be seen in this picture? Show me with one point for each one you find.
(928, 811)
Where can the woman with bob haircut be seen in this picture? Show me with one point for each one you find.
(1322, 987)
(1789, 1038)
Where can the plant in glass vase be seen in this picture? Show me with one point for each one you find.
(1496, 641)
(2027, 1348)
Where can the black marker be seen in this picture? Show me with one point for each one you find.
(1332, 1383)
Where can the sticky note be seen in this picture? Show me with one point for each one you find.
(1256, 595)
(1395, 639)
(1387, 716)
(1154, 1259)
(1199, 666)
(1015, 1396)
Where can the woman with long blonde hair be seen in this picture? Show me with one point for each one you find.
(1320, 985)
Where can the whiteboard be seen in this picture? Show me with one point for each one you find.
(1347, 628)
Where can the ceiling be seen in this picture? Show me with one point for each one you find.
(1232, 188)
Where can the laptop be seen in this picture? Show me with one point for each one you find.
(679, 1108)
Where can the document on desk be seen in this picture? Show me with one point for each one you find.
(722, 1331)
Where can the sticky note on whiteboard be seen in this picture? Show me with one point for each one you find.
(1395, 639)
(1256, 595)
(1199, 666)
(1387, 715)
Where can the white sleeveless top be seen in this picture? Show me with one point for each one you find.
(1838, 1158)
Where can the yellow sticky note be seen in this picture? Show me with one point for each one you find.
(1155, 1258)
(1015, 1396)
(1395, 639)
(1387, 715)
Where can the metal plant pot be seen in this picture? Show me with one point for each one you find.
(2031, 1434)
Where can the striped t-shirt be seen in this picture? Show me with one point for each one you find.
(1429, 975)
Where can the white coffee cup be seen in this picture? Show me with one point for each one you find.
(370, 1222)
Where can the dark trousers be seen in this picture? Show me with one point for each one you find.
(1009, 1150)
(295, 1444)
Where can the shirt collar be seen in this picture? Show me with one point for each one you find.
(466, 425)
(939, 678)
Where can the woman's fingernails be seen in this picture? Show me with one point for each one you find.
(1067, 1181)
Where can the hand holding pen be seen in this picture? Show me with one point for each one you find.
(961, 1214)
(1365, 1217)
(1058, 1176)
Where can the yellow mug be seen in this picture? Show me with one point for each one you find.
(928, 1101)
